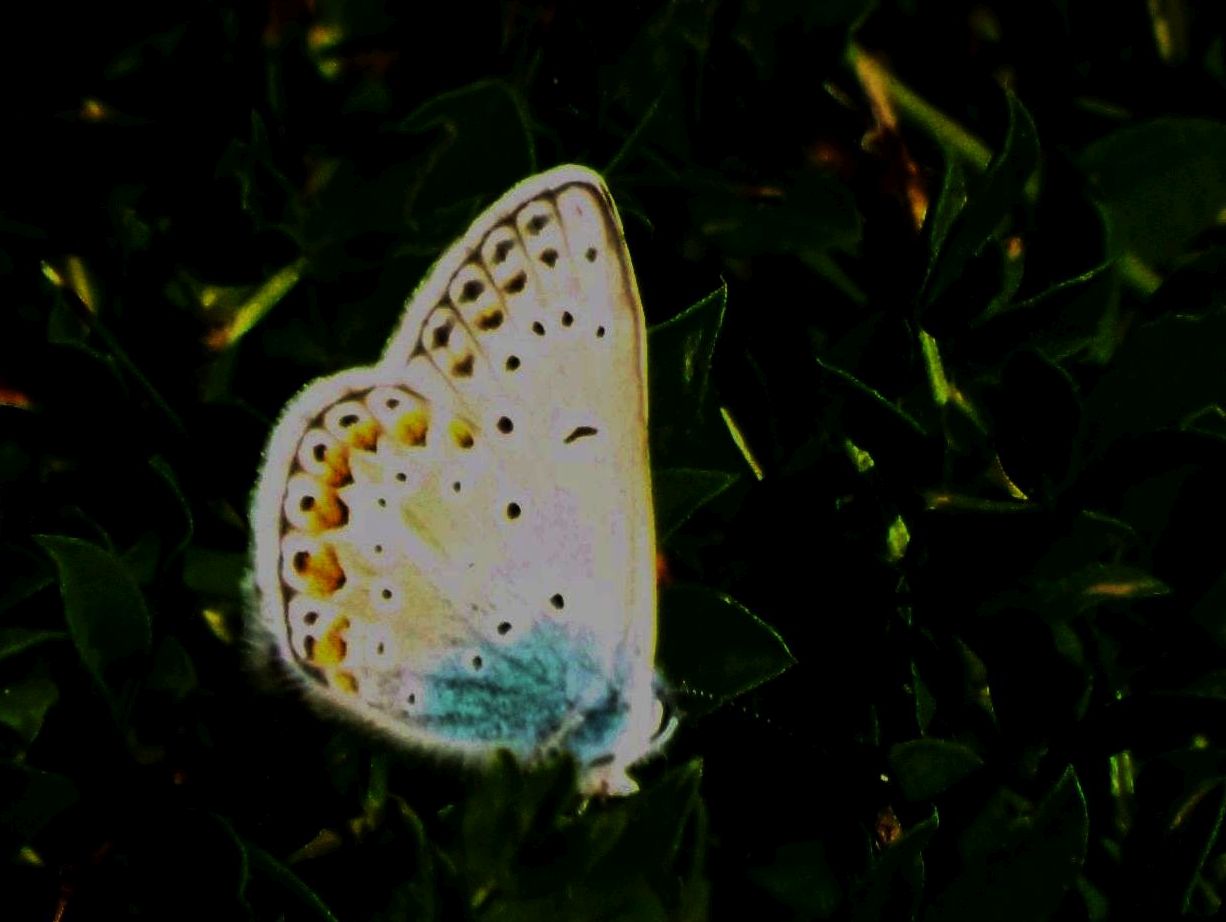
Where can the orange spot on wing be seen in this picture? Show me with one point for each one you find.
(321, 570)
(413, 426)
(336, 457)
(331, 649)
(328, 511)
(490, 319)
(364, 435)
(345, 681)
(462, 434)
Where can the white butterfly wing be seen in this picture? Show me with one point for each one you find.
(457, 544)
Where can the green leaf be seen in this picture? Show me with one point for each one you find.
(1209, 820)
(142, 558)
(925, 768)
(656, 820)
(19, 586)
(1061, 289)
(1002, 187)
(1088, 539)
(25, 700)
(106, 613)
(609, 862)
(801, 878)
(1012, 267)
(1196, 286)
(1076, 573)
(760, 25)
(1035, 416)
(686, 429)
(1095, 585)
(413, 895)
(680, 351)
(1209, 685)
(172, 672)
(1209, 611)
(243, 877)
(212, 572)
(633, 900)
(1018, 868)
(29, 799)
(944, 211)
(484, 144)
(501, 814)
(868, 398)
(808, 216)
(14, 640)
(680, 492)
(265, 193)
(264, 865)
(895, 884)
(1161, 183)
(894, 439)
(712, 645)
(1166, 372)
(645, 73)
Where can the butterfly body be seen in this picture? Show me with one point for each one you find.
(456, 545)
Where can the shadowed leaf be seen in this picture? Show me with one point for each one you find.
(714, 646)
(106, 613)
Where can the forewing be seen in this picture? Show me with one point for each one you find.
(457, 544)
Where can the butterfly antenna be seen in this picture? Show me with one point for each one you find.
(720, 703)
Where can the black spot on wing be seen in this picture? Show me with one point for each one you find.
(579, 432)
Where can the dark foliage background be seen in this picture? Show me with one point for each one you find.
(945, 629)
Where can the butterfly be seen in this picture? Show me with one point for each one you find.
(455, 546)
